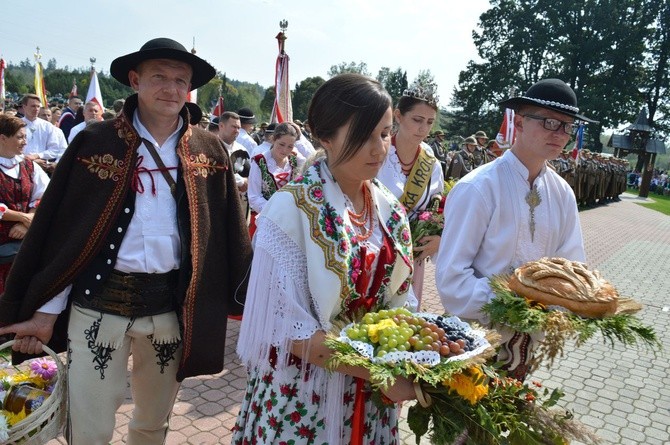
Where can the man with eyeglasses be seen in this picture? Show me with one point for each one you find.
(67, 119)
(510, 211)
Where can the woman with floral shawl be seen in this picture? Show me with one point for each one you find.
(330, 246)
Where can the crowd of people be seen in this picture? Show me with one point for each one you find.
(141, 241)
(659, 184)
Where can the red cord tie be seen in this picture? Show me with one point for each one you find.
(137, 185)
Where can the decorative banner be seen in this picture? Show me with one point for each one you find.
(192, 96)
(218, 108)
(579, 141)
(2, 84)
(40, 90)
(73, 92)
(283, 109)
(94, 93)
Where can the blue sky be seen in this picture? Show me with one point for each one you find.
(237, 36)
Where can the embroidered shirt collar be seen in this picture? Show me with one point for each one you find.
(518, 166)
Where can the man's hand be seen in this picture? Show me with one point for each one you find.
(31, 334)
(428, 247)
(32, 157)
(46, 165)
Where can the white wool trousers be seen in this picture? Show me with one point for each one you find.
(98, 381)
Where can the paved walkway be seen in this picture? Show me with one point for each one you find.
(624, 394)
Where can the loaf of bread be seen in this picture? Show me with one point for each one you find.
(570, 284)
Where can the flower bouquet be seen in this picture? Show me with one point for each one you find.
(458, 394)
(431, 221)
(566, 301)
(32, 400)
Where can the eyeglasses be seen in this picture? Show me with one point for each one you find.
(554, 124)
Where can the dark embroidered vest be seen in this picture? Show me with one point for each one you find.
(270, 185)
(15, 194)
(91, 279)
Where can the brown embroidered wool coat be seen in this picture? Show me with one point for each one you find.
(83, 202)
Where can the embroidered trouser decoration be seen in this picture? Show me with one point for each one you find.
(100, 347)
(101, 354)
(164, 352)
(519, 356)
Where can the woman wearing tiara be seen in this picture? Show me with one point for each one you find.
(411, 172)
(331, 245)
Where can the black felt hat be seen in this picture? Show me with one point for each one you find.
(163, 48)
(552, 94)
(195, 113)
(246, 116)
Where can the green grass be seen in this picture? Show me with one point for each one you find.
(661, 204)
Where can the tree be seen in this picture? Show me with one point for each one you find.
(351, 67)
(302, 95)
(268, 101)
(395, 82)
(655, 87)
(596, 46)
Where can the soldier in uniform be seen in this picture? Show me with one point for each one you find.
(483, 153)
(440, 152)
(463, 161)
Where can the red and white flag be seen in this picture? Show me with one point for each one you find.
(2, 84)
(192, 96)
(282, 110)
(506, 136)
(40, 89)
(73, 91)
(94, 93)
(218, 108)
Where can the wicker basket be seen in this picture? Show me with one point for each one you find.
(47, 421)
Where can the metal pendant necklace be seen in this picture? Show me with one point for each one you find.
(533, 200)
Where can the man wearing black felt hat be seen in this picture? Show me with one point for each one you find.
(141, 247)
(511, 211)
(247, 121)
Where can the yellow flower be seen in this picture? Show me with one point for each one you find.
(375, 329)
(471, 385)
(13, 419)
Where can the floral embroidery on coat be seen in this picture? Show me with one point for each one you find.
(203, 165)
(105, 166)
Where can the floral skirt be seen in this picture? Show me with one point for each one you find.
(272, 413)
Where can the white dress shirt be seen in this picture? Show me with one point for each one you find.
(247, 141)
(265, 146)
(304, 147)
(44, 139)
(487, 231)
(75, 130)
(151, 243)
